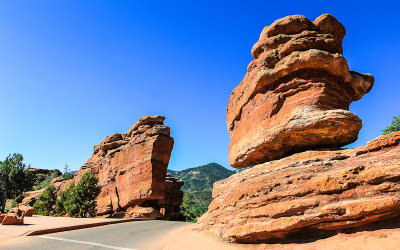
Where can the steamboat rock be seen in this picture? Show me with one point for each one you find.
(132, 172)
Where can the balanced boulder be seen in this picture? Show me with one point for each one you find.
(288, 117)
(296, 93)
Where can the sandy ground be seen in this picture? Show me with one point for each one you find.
(185, 238)
(37, 222)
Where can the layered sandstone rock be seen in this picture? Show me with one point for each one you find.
(131, 167)
(172, 200)
(307, 194)
(29, 198)
(296, 93)
(26, 210)
(14, 216)
(143, 212)
(2, 217)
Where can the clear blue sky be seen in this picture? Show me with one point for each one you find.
(73, 72)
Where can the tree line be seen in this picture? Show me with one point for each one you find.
(77, 200)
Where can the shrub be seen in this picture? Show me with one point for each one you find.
(67, 175)
(43, 180)
(12, 205)
(395, 126)
(190, 209)
(80, 199)
(46, 201)
(62, 199)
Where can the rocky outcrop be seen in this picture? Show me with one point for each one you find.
(295, 97)
(57, 179)
(14, 216)
(26, 210)
(296, 93)
(131, 168)
(36, 171)
(307, 194)
(29, 198)
(143, 212)
(172, 200)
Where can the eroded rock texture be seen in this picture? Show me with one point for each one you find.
(14, 216)
(296, 93)
(307, 194)
(173, 197)
(131, 168)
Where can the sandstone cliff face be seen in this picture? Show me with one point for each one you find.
(296, 93)
(132, 169)
(309, 193)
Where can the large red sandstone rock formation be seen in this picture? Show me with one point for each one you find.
(132, 167)
(296, 93)
(295, 97)
(308, 194)
(132, 171)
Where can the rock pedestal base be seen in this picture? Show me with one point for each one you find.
(313, 192)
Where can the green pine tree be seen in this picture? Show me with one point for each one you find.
(81, 199)
(63, 198)
(46, 201)
(395, 126)
(14, 178)
(190, 209)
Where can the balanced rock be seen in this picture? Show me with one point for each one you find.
(308, 194)
(296, 93)
(14, 216)
(131, 167)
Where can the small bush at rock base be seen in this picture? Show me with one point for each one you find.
(80, 200)
(46, 201)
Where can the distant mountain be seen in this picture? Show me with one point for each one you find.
(198, 187)
(202, 178)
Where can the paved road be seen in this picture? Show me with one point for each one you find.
(130, 235)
